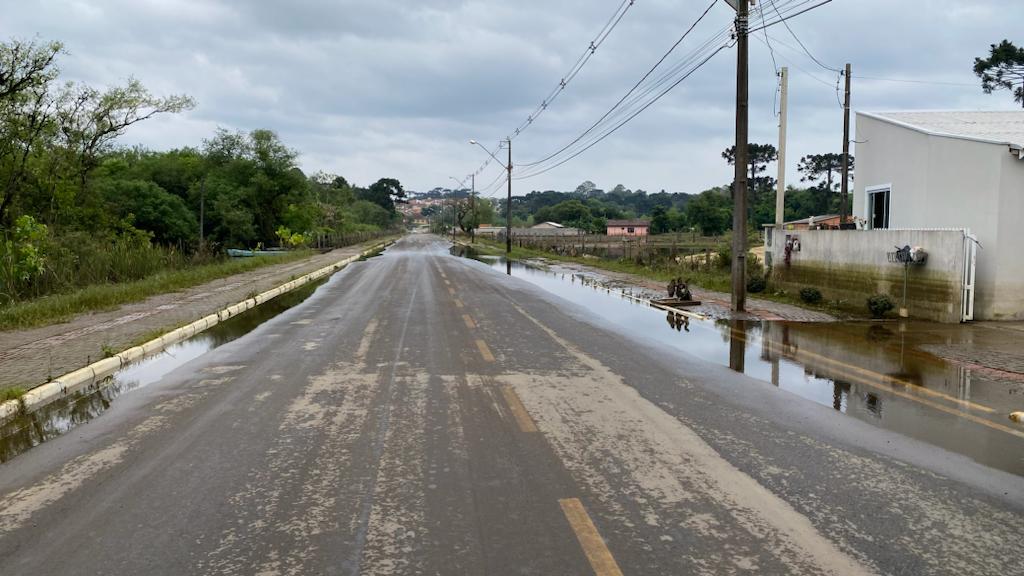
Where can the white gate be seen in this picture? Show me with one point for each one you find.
(970, 261)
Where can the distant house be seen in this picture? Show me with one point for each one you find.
(634, 227)
(951, 170)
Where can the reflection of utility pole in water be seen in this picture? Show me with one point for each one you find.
(840, 392)
(769, 355)
(737, 345)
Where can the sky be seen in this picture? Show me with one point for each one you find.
(397, 88)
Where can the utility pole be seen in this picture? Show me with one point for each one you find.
(844, 209)
(202, 215)
(508, 205)
(739, 210)
(472, 208)
(780, 193)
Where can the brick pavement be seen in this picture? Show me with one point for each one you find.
(33, 356)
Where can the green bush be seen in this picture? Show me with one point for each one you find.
(756, 284)
(810, 295)
(880, 304)
(724, 258)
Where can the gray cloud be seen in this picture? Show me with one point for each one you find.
(396, 88)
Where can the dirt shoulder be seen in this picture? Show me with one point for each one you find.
(33, 356)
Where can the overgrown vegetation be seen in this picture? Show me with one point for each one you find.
(62, 306)
(85, 224)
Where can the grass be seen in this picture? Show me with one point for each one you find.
(61, 307)
(12, 393)
(718, 279)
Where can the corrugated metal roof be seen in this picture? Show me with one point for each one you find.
(997, 127)
(634, 222)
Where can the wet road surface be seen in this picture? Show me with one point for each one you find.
(424, 414)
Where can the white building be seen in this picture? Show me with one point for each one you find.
(951, 170)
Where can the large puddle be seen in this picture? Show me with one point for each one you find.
(27, 431)
(914, 378)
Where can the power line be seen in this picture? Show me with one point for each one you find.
(606, 31)
(912, 81)
(628, 93)
(621, 124)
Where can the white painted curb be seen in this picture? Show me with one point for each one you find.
(97, 371)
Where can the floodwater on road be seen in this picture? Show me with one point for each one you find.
(52, 420)
(914, 378)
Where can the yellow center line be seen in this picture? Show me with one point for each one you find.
(458, 303)
(484, 351)
(447, 283)
(601, 559)
(451, 291)
(515, 405)
(469, 321)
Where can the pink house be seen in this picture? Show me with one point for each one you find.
(628, 227)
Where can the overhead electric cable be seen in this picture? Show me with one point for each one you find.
(631, 90)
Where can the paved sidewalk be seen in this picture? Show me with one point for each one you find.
(713, 304)
(31, 357)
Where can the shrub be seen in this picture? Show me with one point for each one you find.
(810, 295)
(880, 304)
(756, 284)
(724, 257)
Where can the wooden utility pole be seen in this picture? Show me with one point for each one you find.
(844, 208)
(508, 204)
(472, 208)
(780, 192)
(202, 215)
(739, 210)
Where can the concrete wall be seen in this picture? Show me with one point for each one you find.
(944, 182)
(1006, 251)
(851, 265)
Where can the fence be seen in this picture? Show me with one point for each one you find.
(683, 249)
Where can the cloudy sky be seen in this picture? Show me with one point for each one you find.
(398, 87)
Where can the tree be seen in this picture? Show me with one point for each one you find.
(90, 120)
(148, 207)
(1002, 70)
(758, 158)
(384, 193)
(26, 112)
(814, 167)
(660, 222)
(711, 211)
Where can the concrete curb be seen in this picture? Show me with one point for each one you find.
(72, 382)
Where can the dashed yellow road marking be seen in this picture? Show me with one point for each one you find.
(458, 303)
(484, 351)
(515, 405)
(469, 321)
(451, 291)
(447, 283)
(601, 559)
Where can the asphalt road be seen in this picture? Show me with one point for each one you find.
(422, 414)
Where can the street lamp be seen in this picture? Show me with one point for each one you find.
(508, 202)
